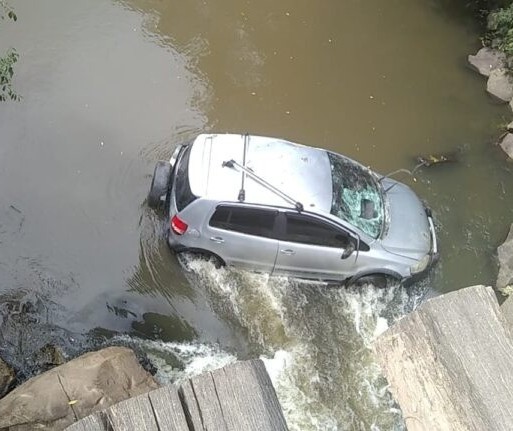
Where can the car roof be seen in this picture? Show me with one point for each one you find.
(301, 172)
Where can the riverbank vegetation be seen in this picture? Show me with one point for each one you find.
(495, 18)
(500, 29)
(7, 60)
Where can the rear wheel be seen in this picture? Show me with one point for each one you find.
(381, 281)
(159, 183)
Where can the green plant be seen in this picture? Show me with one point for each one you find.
(6, 74)
(8, 60)
(500, 29)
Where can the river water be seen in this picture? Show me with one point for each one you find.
(109, 87)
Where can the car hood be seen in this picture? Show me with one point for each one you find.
(407, 232)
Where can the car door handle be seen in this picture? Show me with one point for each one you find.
(288, 252)
(217, 239)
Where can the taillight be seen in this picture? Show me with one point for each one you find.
(178, 226)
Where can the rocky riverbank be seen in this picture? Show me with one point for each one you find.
(505, 257)
(494, 65)
(62, 395)
(88, 393)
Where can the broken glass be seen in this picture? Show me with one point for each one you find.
(357, 196)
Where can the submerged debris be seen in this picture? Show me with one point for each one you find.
(435, 159)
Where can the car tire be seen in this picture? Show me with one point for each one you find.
(381, 281)
(184, 258)
(159, 183)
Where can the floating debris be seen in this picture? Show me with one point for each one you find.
(436, 159)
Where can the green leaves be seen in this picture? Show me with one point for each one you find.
(7, 62)
(500, 29)
(5, 9)
(6, 73)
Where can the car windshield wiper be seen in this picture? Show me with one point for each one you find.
(234, 165)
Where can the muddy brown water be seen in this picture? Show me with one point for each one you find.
(109, 87)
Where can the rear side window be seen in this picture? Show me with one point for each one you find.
(252, 221)
(308, 230)
(183, 193)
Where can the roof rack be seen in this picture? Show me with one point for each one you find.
(242, 191)
(234, 165)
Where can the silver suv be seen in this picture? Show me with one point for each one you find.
(270, 205)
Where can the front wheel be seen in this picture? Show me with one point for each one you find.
(381, 281)
(159, 183)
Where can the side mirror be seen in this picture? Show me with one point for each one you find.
(351, 247)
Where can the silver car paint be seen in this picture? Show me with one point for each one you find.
(308, 180)
(393, 253)
(408, 228)
(239, 249)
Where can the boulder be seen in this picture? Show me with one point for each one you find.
(499, 85)
(61, 396)
(505, 254)
(507, 144)
(507, 312)
(7, 378)
(486, 60)
(449, 363)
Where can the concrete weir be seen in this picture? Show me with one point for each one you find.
(237, 397)
(449, 363)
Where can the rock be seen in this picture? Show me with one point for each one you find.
(507, 144)
(505, 254)
(61, 396)
(7, 378)
(509, 127)
(237, 397)
(499, 85)
(449, 363)
(507, 312)
(486, 60)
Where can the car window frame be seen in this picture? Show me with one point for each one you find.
(282, 226)
(273, 233)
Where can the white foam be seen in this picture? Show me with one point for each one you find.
(315, 342)
(193, 358)
(276, 364)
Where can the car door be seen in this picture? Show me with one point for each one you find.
(313, 248)
(243, 236)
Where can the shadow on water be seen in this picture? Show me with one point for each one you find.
(471, 13)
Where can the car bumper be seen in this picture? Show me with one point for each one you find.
(173, 244)
(434, 254)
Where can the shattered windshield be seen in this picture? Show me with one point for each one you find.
(356, 195)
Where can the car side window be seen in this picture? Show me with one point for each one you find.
(251, 221)
(308, 230)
